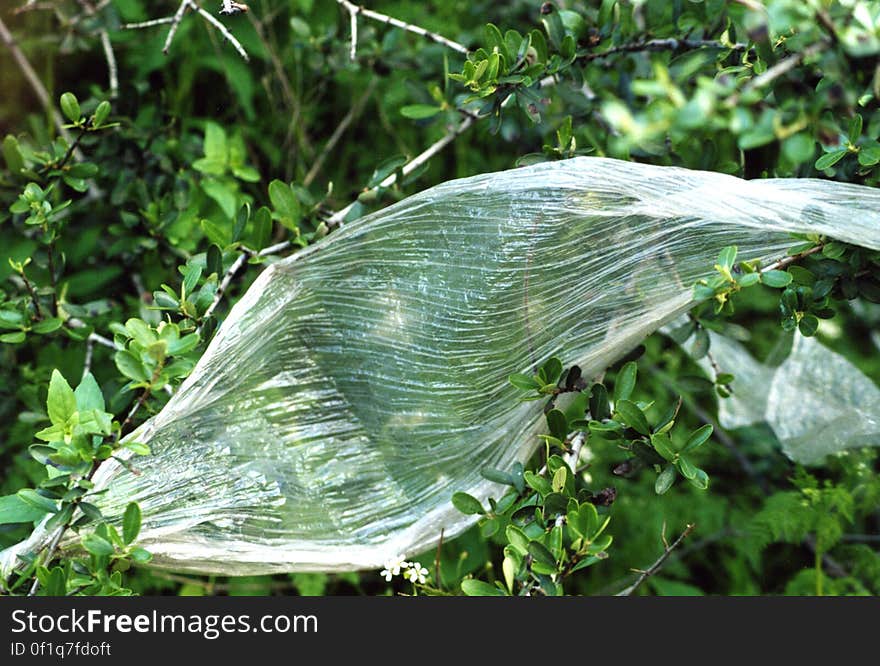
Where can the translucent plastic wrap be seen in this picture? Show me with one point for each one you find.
(816, 401)
(358, 384)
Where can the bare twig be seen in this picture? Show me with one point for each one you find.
(35, 84)
(353, 11)
(148, 24)
(223, 31)
(654, 568)
(111, 63)
(353, 113)
(175, 24)
(353, 23)
(664, 45)
(782, 67)
(646, 45)
(225, 282)
(339, 216)
(207, 16)
(109, 56)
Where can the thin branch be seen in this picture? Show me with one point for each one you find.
(654, 568)
(111, 63)
(109, 56)
(353, 22)
(664, 45)
(353, 112)
(35, 83)
(339, 216)
(175, 24)
(148, 24)
(773, 73)
(353, 11)
(787, 261)
(225, 282)
(87, 363)
(233, 7)
(223, 31)
(648, 45)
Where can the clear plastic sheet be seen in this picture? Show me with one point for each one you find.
(816, 401)
(358, 384)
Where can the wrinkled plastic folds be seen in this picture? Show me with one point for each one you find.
(361, 382)
(816, 401)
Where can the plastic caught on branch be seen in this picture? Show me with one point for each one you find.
(815, 401)
(360, 383)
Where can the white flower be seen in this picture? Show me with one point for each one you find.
(394, 566)
(417, 573)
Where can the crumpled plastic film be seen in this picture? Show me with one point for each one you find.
(361, 382)
(816, 401)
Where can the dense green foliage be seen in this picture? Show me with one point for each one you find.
(115, 240)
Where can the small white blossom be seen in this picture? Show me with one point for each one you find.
(417, 573)
(394, 566)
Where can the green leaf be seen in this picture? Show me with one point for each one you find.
(517, 538)
(91, 511)
(216, 149)
(88, 394)
(37, 501)
(700, 480)
(697, 438)
(776, 279)
(139, 448)
(55, 584)
(855, 128)
(130, 366)
(496, 475)
(625, 382)
(830, 159)
(70, 107)
(61, 403)
(241, 220)
(808, 325)
(131, 523)
(477, 588)
(700, 345)
(869, 155)
(285, 203)
(727, 258)
(539, 552)
(13, 338)
(633, 416)
(420, 111)
(687, 468)
(538, 483)
(557, 423)
(13, 509)
(101, 114)
(467, 504)
(663, 445)
(523, 382)
(97, 545)
(599, 407)
(665, 479)
(12, 154)
(48, 325)
(220, 192)
(140, 331)
(140, 555)
(262, 231)
(551, 371)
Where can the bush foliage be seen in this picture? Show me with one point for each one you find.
(140, 197)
